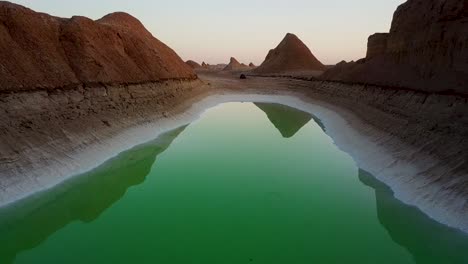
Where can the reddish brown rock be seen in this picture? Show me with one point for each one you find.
(41, 51)
(426, 50)
(291, 55)
(252, 65)
(193, 64)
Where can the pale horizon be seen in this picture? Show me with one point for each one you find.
(213, 32)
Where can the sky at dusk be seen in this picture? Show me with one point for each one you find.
(215, 30)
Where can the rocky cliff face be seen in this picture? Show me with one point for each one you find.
(39, 51)
(291, 55)
(69, 85)
(426, 50)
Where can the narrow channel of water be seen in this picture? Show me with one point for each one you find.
(247, 183)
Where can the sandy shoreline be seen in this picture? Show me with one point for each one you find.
(378, 152)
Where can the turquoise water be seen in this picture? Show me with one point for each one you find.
(247, 183)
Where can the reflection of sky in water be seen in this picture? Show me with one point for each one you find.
(228, 188)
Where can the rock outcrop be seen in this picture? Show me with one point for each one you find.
(67, 86)
(377, 45)
(291, 55)
(251, 65)
(39, 51)
(235, 65)
(426, 52)
(193, 64)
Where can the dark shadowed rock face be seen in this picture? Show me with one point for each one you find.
(41, 51)
(290, 55)
(426, 49)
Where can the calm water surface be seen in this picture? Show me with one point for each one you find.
(247, 183)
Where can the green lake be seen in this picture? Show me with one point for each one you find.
(246, 183)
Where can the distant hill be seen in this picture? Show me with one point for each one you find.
(235, 65)
(193, 64)
(291, 55)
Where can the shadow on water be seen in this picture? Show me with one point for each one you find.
(28, 223)
(427, 240)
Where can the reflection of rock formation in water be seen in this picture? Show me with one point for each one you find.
(27, 224)
(286, 119)
(427, 240)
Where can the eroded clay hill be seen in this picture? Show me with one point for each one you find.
(427, 52)
(39, 51)
(235, 65)
(291, 55)
(193, 64)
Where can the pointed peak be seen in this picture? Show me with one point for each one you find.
(233, 60)
(291, 38)
(290, 35)
(289, 56)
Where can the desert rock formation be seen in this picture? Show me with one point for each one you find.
(193, 64)
(48, 52)
(69, 85)
(291, 55)
(235, 65)
(427, 52)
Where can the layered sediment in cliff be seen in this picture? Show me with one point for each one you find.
(51, 127)
(70, 87)
(426, 52)
(422, 141)
(48, 136)
(415, 142)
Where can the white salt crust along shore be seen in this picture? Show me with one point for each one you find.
(345, 128)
